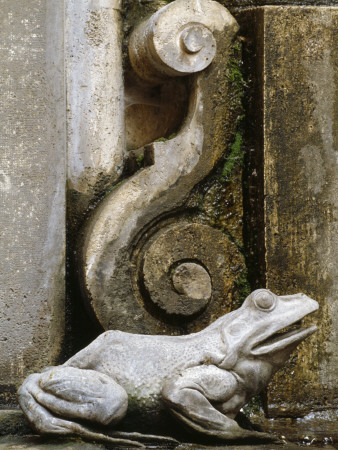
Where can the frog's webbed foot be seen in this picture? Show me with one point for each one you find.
(193, 398)
(51, 399)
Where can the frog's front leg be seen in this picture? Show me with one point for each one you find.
(196, 397)
(53, 397)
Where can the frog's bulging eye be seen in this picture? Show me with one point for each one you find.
(265, 300)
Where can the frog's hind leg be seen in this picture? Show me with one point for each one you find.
(53, 397)
(197, 397)
(38, 416)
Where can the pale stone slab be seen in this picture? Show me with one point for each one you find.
(32, 187)
(95, 94)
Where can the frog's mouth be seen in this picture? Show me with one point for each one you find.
(292, 335)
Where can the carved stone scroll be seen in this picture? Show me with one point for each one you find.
(184, 265)
(179, 39)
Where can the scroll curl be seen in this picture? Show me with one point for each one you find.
(179, 39)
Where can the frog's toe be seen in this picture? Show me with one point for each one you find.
(258, 436)
(54, 425)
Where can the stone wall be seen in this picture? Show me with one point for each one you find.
(296, 161)
(32, 189)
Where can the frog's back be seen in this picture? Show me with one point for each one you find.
(140, 363)
(122, 355)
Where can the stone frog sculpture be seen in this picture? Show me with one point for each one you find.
(204, 378)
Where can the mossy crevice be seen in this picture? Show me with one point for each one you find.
(166, 138)
(219, 199)
(235, 157)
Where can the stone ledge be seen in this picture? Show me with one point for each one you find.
(245, 3)
(46, 442)
(13, 421)
(318, 428)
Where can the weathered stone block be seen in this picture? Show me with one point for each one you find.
(32, 188)
(296, 88)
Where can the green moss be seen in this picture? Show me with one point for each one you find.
(235, 74)
(139, 160)
(111, 189)
(235, 158)
(242, 289)
(234, 70)
(235, 155)
(164, 139)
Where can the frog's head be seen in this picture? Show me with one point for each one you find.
(268, 326)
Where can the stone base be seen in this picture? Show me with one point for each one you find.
(13, 421)
(318, 428)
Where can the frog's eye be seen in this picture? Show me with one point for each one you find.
(264, 300)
